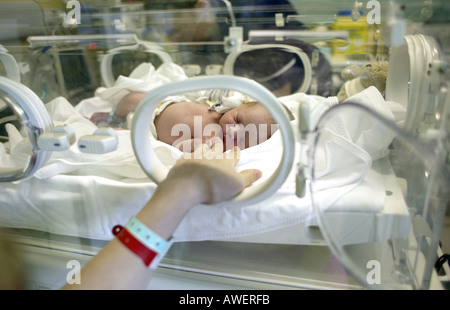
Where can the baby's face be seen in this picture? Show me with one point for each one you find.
(186, 124)
(247, 125)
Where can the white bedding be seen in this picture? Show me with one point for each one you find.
(85, 195)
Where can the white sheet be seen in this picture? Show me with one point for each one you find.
(143, 79)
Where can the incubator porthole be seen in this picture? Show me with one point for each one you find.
(23, 119)
(14, 136)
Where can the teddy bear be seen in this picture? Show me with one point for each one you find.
(359, 78)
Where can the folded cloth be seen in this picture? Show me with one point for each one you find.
(317, 105)
(349, 141)
(399, 112)
(367, 132)
(143, 79)
(16, 153)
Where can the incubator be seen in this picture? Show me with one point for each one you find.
(356, 179)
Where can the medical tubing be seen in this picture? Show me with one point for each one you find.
(230, 11)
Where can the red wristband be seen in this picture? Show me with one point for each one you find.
(146, 254)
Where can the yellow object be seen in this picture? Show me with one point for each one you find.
(357, 35)
(43, 4)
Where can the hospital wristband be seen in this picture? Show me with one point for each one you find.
(149, 238)
(114, 120)
(147, 255)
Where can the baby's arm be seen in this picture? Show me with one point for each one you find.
(117, 117)
(128, 104)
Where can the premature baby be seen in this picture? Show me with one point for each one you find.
(185, 123)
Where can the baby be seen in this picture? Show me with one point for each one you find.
(184, 124)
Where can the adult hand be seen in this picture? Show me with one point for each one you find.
(208, 176)
(212, 173)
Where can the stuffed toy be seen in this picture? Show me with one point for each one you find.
(359, 78)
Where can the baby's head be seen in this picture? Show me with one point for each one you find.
(186, 124)
(182, 123)
(247, 125)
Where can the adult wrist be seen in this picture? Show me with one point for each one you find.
(143, 242)
(186, 191)
(168, 206)
(114, 120)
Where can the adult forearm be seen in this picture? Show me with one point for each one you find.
(168, 206)
(189, 182)
(115, 266)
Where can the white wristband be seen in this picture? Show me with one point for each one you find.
(149, 238)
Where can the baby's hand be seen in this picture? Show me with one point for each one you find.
(188, 146)
(99, 117)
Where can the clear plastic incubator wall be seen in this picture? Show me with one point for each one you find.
(355, 183)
